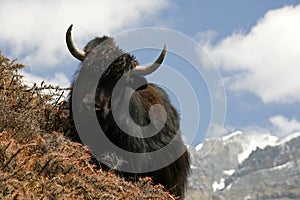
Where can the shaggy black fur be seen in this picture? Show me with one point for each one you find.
(174, 176)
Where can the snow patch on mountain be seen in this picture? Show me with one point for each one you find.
(199, 147)
(193, 167)
(249, 142)
(233, 134)
(229, 172)
(285, 165)
(289, 138)
(256, 141)
(216, 186)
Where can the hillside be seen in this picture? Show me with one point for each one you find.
(37, 161)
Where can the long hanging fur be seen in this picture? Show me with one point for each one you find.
(174, 176)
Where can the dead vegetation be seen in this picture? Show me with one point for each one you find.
(37, 161)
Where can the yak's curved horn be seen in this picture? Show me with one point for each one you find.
(146, 70)
(77, 53)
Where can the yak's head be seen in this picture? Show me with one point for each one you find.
(122, 64)
(101, 50)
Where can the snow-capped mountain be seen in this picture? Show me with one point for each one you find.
(246, 166)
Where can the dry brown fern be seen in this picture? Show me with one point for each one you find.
(37, 161)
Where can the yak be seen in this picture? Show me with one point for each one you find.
(173, 176)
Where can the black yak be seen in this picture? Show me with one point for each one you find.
(124, 66)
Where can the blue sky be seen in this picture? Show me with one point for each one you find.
(254, 44)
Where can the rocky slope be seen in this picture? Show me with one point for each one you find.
(244, 166)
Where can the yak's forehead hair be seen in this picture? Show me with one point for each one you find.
(105, 40)
(108, 49)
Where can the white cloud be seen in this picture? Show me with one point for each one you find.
(34, 30)
(59, 79)
(266, 60)
(206, 37)
(284, 126)
(257, 130)
(280, 126)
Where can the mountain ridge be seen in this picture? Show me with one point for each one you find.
(267, 162)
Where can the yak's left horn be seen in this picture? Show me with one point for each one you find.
(77, 53)
(146, 70)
